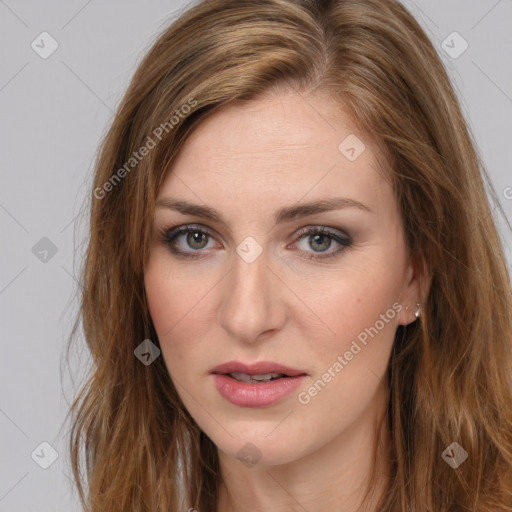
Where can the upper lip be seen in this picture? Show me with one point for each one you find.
(258, 368)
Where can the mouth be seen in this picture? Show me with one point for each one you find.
(263, 371)
(256, 385)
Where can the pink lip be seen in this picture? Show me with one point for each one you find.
(256, 368)
(245, 394)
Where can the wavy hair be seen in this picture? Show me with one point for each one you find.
(449, 375)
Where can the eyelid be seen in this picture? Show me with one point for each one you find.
(317, 228)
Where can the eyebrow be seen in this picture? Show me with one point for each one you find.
(285, 214)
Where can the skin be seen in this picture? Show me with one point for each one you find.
(247, 161)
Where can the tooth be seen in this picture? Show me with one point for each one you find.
(244, 377)
(266, 376)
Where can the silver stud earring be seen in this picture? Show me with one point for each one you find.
(417, 313)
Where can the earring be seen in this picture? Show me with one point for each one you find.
(417, 313)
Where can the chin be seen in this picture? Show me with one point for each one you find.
(257, 450)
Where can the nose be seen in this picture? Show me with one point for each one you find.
(252, 300)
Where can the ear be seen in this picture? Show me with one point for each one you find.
(415, 290)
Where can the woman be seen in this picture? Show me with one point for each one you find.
(294, 292)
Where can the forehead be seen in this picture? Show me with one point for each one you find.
(277, 149)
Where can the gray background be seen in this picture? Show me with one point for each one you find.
(53, 114)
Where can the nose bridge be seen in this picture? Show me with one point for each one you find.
(250, 304)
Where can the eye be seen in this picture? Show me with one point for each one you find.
(320, 239)
(193, 237)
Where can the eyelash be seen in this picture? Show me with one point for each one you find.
(169, 236)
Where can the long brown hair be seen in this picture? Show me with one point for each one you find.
(449, 375)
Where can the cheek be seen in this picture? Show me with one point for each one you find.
(348, 304)
(177, 306)
(351, 361)
(351, 358)
(360, 346)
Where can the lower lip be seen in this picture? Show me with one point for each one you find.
(246, 394)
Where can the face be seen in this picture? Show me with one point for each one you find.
(244, 279)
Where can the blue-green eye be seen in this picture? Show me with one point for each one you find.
(321, 239)
(188, 241)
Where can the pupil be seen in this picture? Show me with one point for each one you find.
(319, 238)
(195, 238)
